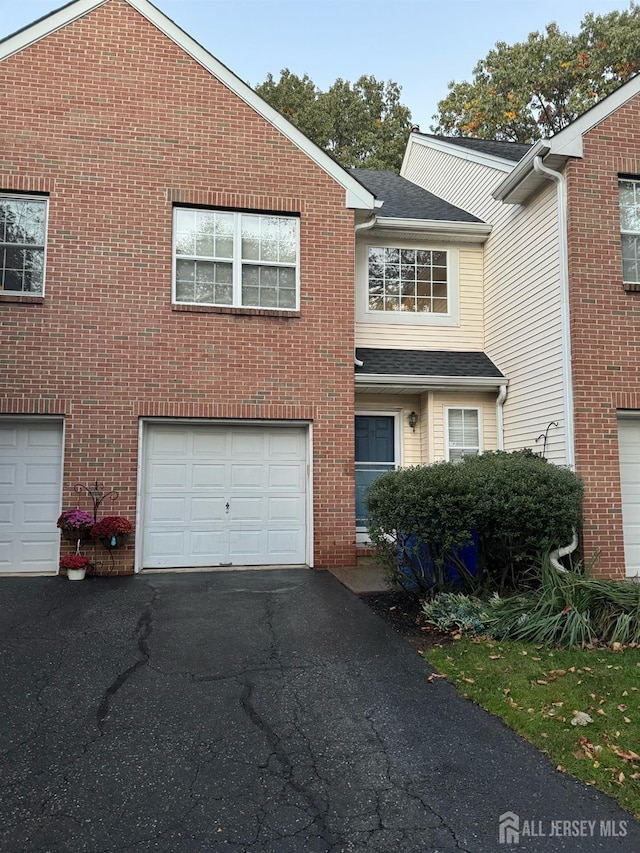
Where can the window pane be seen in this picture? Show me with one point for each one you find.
(224, 235)
(387, 266)
(287, 299)
(630, 249)
(185, 232)
(288, 241)
(251, 238)
(250, 296)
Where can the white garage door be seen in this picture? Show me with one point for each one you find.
(224, 495)
(629, 448)
(30, 492)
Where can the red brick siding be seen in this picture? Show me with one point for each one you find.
(116, 122)
(604, 326)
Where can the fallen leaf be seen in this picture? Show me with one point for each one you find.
(635, 776)
(626, 719)
(541, 681)
(543, 734)
(616, 647)
(622, 707)
(433, 676)
(494, 657)
(469, 680)
(601, 712)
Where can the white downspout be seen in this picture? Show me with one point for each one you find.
(560, 181)
(363, 226)
(502, 396)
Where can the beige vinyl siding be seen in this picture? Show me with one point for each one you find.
(522, 328)
(410, 441)
(441, 401)
(465, 336)
(427, 444)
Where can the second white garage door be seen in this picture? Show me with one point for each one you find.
(224, 495)
(629, 449)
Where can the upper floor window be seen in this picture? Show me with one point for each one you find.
(463, 433)
(408, 280)
(236, 259)
(630, 229)
(23, 228)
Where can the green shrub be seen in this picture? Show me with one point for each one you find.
(569, 609)
(451, 611)
(518, 506)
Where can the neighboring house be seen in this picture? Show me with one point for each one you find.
(177, 302)
(562, 284)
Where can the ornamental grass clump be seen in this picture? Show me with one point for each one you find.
(569, 609)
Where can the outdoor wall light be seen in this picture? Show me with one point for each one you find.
(413, 420)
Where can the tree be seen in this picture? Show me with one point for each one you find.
(532, 89)
(363, 124)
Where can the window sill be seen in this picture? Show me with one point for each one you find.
(221, 309)
(8, 296)
(631, 286)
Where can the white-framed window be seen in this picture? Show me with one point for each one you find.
(413, 280)
(405, 283)
(630, 229)
(463, 433)
(235, 259)
(23, 238)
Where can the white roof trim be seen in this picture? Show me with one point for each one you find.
(444, 226)
(492, 161)
(430, 381)
(568, 141)
(356, 196)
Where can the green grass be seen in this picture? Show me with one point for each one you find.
(536, 690)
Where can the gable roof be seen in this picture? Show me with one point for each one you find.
(514, 151)
(403, 199)
(356, 195)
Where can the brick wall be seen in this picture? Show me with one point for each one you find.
(116, 123)
(604, 326)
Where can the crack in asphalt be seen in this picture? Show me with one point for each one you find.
(142, 632)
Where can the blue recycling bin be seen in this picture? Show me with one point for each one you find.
(420, 564)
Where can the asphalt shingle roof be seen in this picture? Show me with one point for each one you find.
(405, 200)
(514, 151)
(411, 362)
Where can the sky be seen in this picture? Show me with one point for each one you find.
(420, 44)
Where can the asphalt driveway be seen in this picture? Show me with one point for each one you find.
(254, 711)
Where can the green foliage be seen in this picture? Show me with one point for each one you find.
(519, 506)
(361, 125)
(569, 609)
(532, 89)
(451, 611)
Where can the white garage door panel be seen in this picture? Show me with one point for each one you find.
(30, 483)
(222, 495)
(629, 449)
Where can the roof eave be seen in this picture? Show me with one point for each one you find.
(424, 382)
(471, 231)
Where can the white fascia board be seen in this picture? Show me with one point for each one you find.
(435, 227)
(568, 142)
(356, 195)
(430, 381)
(47, 25)
(523, 168)
(493, 162)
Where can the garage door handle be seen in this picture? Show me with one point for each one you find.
(227, 506)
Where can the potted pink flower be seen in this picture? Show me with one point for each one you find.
(112, 530)
(75, 524)
(75, 565)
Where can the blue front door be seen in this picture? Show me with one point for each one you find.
(375, 454)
